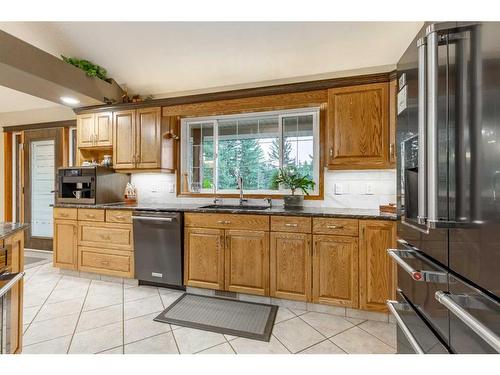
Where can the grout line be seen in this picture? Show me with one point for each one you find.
(43, 304)
(175, 340)
(105, 350)
(377, 337)
(276, 337)
(213, 346)
(79, 315)
(229, 343)
(123, 319)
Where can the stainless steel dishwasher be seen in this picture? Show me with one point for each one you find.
(158, 247)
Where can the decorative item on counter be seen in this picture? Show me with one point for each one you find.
(107, 161)
(130, 194)
(388, 208)
(170, 135)
(293, 180)
(89, 163)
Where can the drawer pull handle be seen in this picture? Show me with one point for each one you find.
(62, 214)
(393, 309)
(105, 237)
(104, 262)
(90, 216)
(223, 222)
(119, 217)
(290, 225)
(335, 226)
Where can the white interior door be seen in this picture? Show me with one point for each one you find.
(42, 183)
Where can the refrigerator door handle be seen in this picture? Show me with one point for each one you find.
(422, 172)
(475, 325)
(391, 305)
(432, 129)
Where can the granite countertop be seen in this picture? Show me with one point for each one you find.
(8, 229)
(353, 213)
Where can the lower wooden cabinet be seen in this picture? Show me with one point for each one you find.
(65, 244)
(107, 261)
(376, 271)
(247, 262)
(335, 270)
(204, 258)
(16, 242)
(290, 266)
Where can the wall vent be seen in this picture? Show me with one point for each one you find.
(224, 294)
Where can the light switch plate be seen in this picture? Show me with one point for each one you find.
(338, 189)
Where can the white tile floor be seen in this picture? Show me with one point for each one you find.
(67, 314)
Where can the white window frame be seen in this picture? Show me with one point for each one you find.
(187, 122)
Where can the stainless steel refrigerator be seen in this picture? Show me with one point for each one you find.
(448, 144)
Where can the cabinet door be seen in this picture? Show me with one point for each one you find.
(148, 138)
(375, 267)
(16, 242)
(204, 258)
(335, 270)
(65, 244)
(358, 127)
(393, 93)
(291, 266)
(247, 262)
(85, 130)
(124, 139)
(104, 129)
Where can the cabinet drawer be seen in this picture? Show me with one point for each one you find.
(105, 235)
(65, 213)
(291, 224)
(119, 216)
(90, 214)
(340, 227)
(227, 221)
(109, 262)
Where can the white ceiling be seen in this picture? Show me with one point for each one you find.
(162, 58)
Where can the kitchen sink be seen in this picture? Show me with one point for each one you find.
(234, 207)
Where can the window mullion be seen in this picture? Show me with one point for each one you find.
(281, 145)
(216, 155)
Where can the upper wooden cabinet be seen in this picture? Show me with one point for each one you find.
(95, 130)
(376, 271)
(137, 139)
(124, 139)
(358, 127)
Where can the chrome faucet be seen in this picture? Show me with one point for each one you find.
(240, 186)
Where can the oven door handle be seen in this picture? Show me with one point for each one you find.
(475, 325)
(14, 279)
(391, 305)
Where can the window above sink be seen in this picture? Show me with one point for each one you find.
(216, 150)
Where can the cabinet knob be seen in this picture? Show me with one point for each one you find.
(104, 262)
(290, 225)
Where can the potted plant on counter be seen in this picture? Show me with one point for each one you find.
(293, 180)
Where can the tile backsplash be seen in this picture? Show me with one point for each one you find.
(343, 189)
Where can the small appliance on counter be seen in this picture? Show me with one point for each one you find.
(90, 185)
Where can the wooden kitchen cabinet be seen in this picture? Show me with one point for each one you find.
(376, 272)
(335, 270)
(148, 138)
(393, 93)
(358, 127)
(95, 130)
(247, 262)
(16, 242)
(290, 266)
(65, 244)
(204, 258)
(124, 139)
(137, 139)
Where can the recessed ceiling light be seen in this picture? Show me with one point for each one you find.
(69, 100)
